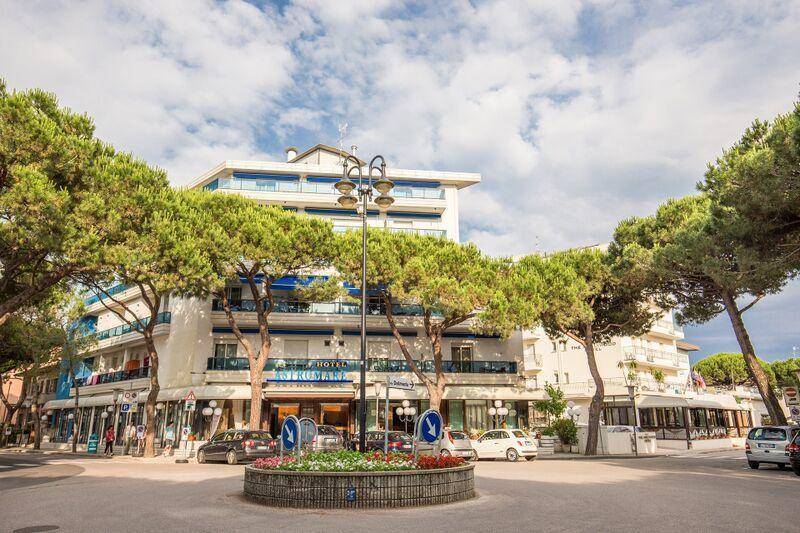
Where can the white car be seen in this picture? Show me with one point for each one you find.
(509, 443)
(456, 444)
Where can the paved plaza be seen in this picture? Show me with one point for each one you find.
(701, 492)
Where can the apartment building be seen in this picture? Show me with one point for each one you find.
(313, 365)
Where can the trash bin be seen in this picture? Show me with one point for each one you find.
(91, 445)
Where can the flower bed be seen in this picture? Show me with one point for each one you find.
(342, 480)
(347, 461)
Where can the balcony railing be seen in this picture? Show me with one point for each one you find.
(116, 289)
(639, 353)
(161, 318)
(415, 231)
(325, 308)
(669, 325)
(373, 365)
(113, 377)
(272, 185)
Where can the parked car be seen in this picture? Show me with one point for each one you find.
(794, 453)
(509, 443)
(769, 444)
(237, 445)
(328, 439)
(456, 444)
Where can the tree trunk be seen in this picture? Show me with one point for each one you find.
(152, 396)
(596, 407)
(256, 390)
(37, 419)
(436, 389)
(753, 366)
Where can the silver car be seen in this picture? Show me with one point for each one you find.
(768, 444)
(328, 439)
(456, 444)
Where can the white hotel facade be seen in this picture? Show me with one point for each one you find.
(198, 352)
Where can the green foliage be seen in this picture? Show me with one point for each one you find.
(566, 429)
(658, 375)
(785, 372)
(555, 404)
(341, 461)
(729, 369)
(64, 196)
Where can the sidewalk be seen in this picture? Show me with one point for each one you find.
(580, 457)
(82, 454)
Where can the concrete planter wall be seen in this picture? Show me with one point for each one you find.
(358, 490)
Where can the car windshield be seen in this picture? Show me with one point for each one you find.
(395, 436)
(459, 435)
(327, 430)
(260, 435)
(775, 434)
(519, 434)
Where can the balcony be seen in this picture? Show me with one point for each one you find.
(116, 289)
(114, 377)
(267, 184)
(654, 357)
(324, 308)
(666, 328)
(161, 318)
(414, 231)
(373, 365)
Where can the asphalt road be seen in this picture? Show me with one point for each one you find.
(708, 492)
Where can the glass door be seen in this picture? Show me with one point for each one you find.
(279, 412)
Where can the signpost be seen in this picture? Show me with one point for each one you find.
(290, 433)
(429, 426)
(790, 396)
(190, 402)
(130, 402)
(308, 432)
(392, 382)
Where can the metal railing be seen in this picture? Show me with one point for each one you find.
(415, 231)
(669, 325)
(325, 308)
(660, 386)
(640, 353)
(373, 365)
(161, 318)
(113, 377)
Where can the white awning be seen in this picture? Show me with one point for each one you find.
(60, 404)
(716, 401)
(654, 401)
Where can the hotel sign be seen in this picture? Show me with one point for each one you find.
(318, 372)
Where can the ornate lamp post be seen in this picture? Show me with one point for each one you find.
(498, 413)
(364, 191)
(406, 413)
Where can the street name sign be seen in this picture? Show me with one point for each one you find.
(394, 382)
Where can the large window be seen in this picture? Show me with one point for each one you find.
(223, 350)
(461, 357)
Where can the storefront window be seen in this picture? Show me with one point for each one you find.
(476, 415)
(455, 410)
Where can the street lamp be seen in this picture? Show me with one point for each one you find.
(498, 413)
(348, 200)
(406, 413)
(573, 411)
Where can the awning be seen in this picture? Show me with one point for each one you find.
(721, 401)
(648, 402)
(206, 392)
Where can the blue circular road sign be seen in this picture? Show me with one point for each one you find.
(290, 432)
(430, 426)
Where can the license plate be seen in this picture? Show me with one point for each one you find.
(261, 447)
(766, 445)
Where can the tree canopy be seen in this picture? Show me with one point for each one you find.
(64, 195)
(729, 369)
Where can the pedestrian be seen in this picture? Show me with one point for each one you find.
(109, 441)
(169, 439)
(130, 434)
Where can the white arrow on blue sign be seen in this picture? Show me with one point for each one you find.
(290, 432)
(430, 425)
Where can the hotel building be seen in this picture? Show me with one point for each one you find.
(313, 366)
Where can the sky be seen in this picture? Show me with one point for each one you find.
(577, 114)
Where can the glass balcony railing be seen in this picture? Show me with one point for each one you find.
(113, 377)
(273, 185)
(640, 353)
(373, 365)
(415, 231)
(161, 318)
(325, 308)
(116, 289)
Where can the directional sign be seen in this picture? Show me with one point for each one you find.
(308, 430)
(290, 432)
(394, 382)
(429, 426)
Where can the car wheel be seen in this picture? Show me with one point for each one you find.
(781, 466)
(231, 457)
(796, 470)
(753, 464)
(201, 457)
(445, 453)
(512, 455)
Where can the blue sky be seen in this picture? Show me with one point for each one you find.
(576, 113)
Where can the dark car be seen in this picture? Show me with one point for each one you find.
(399, 441)
(794, 453)
(237, 445)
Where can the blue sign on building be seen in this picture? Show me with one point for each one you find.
(319, 372)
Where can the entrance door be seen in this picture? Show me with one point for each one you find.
(279, 412)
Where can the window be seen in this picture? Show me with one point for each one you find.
(519, 434)
(555, 346)
(461, 354)
(260, 435)
(223, 350)
(239, 435)
(555, 377)
(562, 346)
(491, 435)
(295, 348)
(777, 434)
(234, 294)
(566, 377)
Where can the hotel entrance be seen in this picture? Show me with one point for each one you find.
(329, 411)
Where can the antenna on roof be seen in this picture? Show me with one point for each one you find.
(342, 133)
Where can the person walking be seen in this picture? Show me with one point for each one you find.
(109, 441)
(169, 439)
(130, 434)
